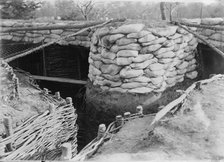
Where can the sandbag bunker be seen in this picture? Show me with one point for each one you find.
(134, 58)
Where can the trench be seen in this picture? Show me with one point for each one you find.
(72, 62)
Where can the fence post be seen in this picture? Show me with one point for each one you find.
(68, 100)
(9, 131)
(119, 121)
(101, 131)
(57, 95)
(139, 110)
(66, 151)
(127, 115)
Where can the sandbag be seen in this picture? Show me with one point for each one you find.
(95, 57)
(193, 61)
(217, 37)
(169, 54)
(100, 32)
(175, 36)
(162, 50)
(142, 79)
(171, 73)
(93, 70)
(127, 72)
(133, 85)
(138, 35)
(90, 60)
(168, 31)
(118, 89)
(156, 41)
(188, 37)
(125, 41)
(150, 48)
(193, 41)
(93, 48)
(157, 80)
(142, 58)
(154, 73)
(141, 65)
(111, 69)
(191, 68)
(108, 55)
(111, 83)
(108, 61)
(183, 65)
(165, 60)
(212, 21)
(181, 71)
(190, 57)
(141, 90)
(132, 46)
(147, 38)
(178, 40)
(130, 28)
(97, 64)
(156, 66)
(127, 53)
(181, 30)
(192, 75)
(115, 37)
(168, 43)
(171, 80)
(124, 61)
(114, 78)
(104, 42)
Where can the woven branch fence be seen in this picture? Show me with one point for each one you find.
(41, 136)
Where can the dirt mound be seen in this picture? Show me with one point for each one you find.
(195, 132)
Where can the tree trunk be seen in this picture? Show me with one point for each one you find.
(162, 10)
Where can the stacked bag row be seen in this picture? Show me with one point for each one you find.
(135, 59)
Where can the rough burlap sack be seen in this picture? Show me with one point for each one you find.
(111, 83)
(191, 68)
(90, 60)
(212, 21)
(168, 43)
(124, 61)
(171, 80)
(183, 65)
(108, 55)
(207, 32)
(104, 42)
(156, 66)
(192, 75)
(114, 78)
(147, 38)
(127, 53)
(178, 40)
(95, 57)
(187, 38)
(169, 54)
(93, 70)
(181, 71)
(100, 32)
(142, 58)
(138, 35)
(133, 85)
(141, 90)
(157, 80)
(142, 65)
(175, 36)
(154, 73)
(165, 60)
(190, 56)
(108, 61)
(93, 48)
(193, 41)
(111, 69)
(115, 37)
(217, 36)
(130, 28)
(162, 50)
(181, 30)
(142, 79)
(156, 41)
(179, 46)
(125, 41)
(168, 31)
(191, 62)
(150, 48)
(127, 72)
(97, 64)
(132, 46)
(118, 89)
(171, 73)
(162, 88)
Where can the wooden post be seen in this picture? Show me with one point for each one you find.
(44, 61)
(119, 121)
(101, 131)
(66, 151)
(139, 110)
(127, 115)
(68, 100)
(16, 82)
(9, 131)
(57, 95)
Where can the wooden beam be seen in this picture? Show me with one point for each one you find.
(57, 79)
(55, 27)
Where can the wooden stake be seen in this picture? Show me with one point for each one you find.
(9, 131)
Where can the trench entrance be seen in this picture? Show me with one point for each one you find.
(63, 62)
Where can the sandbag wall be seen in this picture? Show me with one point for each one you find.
(215, 37)
(39, 36)
(136, 59)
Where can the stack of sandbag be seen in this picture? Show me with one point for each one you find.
(136, 59)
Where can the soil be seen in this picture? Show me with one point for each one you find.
(195, 132)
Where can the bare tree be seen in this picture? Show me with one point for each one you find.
(171, 8)
(85, 8)
(162, 10)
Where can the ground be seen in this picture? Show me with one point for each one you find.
(195, 132)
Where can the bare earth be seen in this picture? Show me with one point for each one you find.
(196, 132)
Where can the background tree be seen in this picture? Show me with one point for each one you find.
(19, 9)
(85, 7)
(162, 10)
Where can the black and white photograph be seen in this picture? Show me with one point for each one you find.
(111, 80)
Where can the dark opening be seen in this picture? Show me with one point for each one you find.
(210, 61)
(65, 62)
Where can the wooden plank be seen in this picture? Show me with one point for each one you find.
(57, 79)
(55, 27)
